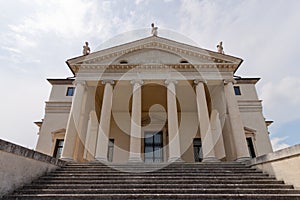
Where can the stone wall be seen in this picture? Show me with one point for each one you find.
(19, 165)
(283, 164)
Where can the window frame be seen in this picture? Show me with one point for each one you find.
(251, 148)
(237, 90)
(110, 150)
(70, 91)
(57, 147)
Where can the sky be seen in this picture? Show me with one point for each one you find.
(38, 36)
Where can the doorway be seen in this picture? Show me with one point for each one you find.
(153, 147)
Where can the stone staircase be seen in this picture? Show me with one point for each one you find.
(226, 180)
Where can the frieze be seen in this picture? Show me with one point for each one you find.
(186, 67)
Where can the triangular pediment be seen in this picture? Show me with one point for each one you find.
(153, 51)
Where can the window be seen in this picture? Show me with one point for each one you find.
(237, 90)
(198, 155)
(110, 152)
(250, 147)
(153, 147)
(183, 61)
(70, 91)
(58, 148)
(123, 62)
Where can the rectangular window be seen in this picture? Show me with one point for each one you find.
(70, 91)
(237, 90)
(153, 146)
(110, 152)
(251, 147)
(198, 155)
(58, 148)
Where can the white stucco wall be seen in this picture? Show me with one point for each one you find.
(252, 115)
(19, 166)
(283, 164)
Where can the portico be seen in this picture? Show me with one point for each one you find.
(157, 100)
(165, 114)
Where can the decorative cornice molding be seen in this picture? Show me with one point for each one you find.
(186, 67)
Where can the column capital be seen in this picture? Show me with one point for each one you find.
(226, 81)
(137, 81)
(80, 82)
(168, 81)
(112, 82)
(197, 81)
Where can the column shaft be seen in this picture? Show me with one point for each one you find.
(174, 140)
(135, 130)
(104, 125)
(91, 136)
(74, 124)
(237, 126)
(205, 127)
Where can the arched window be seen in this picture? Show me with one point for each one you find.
(183, 61)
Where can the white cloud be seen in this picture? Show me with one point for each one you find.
(281, 99)
(278, 143)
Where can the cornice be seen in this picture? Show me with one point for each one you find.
(60, 81)
(247, 80)
(154, 67)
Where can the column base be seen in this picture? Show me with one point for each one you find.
(100, 159)
(175, 159)
(135, 160)
(210, 160)
(243, 159)
(68, 160)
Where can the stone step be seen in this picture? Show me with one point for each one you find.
(159, 174)
(158, 181)
(158, 191)
(155, 167)
(195, 177)
(154, 185)
(156, 196)
(160, 170)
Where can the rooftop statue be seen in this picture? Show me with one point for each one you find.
(220, 48)
(154, 30)
(86, 49)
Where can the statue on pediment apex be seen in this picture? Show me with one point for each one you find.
(220, 48)
(154, 30)
(86, 49)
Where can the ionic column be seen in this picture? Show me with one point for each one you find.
(174, 140)
(74, 124)
(91, 136)
(237, 126)
(136, 117)
(104, 125)
(205, 128)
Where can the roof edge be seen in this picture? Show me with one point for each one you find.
(241, 80)
(59, 81)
